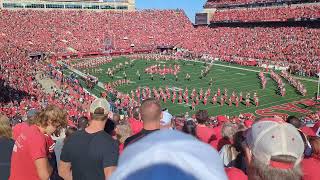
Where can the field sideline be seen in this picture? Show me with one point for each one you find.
(233, 77)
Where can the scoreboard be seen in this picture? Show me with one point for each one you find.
(201, 19)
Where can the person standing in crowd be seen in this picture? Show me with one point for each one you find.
(6, 146)
(90, 153)
(228, 152)
(135, 121)
(189, 127)
(273, 150)
(311, 165)
(204, 133)
(60, 142)
(170, 155)
(82, 123)
(151, 115)
(31, 152)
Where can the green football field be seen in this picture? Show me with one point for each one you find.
(233, 77)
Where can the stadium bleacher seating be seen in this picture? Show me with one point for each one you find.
(276, 14)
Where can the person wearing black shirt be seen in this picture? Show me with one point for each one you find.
(6, 146)
(90, 153)
(151, 115)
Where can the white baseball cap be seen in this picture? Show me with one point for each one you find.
(273, 137)
(100, 103)
(169, 154)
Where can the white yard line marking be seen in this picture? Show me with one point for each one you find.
(241, 74)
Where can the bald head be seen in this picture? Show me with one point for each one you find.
(150, 111)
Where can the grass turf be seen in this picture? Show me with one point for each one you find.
(224, 77)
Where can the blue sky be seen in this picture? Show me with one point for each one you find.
(189, 6)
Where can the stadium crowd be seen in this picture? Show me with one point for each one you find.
(214, 3)
(286, 45)
(267, 14)
(267, 148)
(92, 136)
(85, 31)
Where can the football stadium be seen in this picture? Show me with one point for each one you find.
(108, 90)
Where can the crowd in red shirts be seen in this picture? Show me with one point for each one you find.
(289, 45)
(214, 3)
(282, 13)
(82, 31)
(87, 31)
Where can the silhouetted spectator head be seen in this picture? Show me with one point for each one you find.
(294, 121)
(189, 127)
(116, 117)
(69, 132)
(136, 113)
(82, 123)
(202, 116)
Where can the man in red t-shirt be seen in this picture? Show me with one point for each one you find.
(204, 133)
(134, 121)
(30, 153)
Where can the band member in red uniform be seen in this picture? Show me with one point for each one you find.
(215, 98)
(221, 101)
(201, 94)
(180, 99)
(247, 102)
(205, 99)
(237, 101)
(218, 92)
(256, 101)
(197, 100)
(230, 102)
(193, 105)
(240, 97)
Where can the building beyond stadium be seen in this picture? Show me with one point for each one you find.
(69, 4)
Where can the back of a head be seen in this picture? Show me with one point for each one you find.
(202, 116)
(136, 113)
(99, 109)
(229, 129)
(189, 127)
(150, 110)
(52, 113)
(294, 121)
(82, 123)
(277, 149)
(315, 144)
(116, 117)
(5, 128)
(69, 132)
(169, 154)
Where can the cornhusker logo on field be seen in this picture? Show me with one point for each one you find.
(290, 107)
